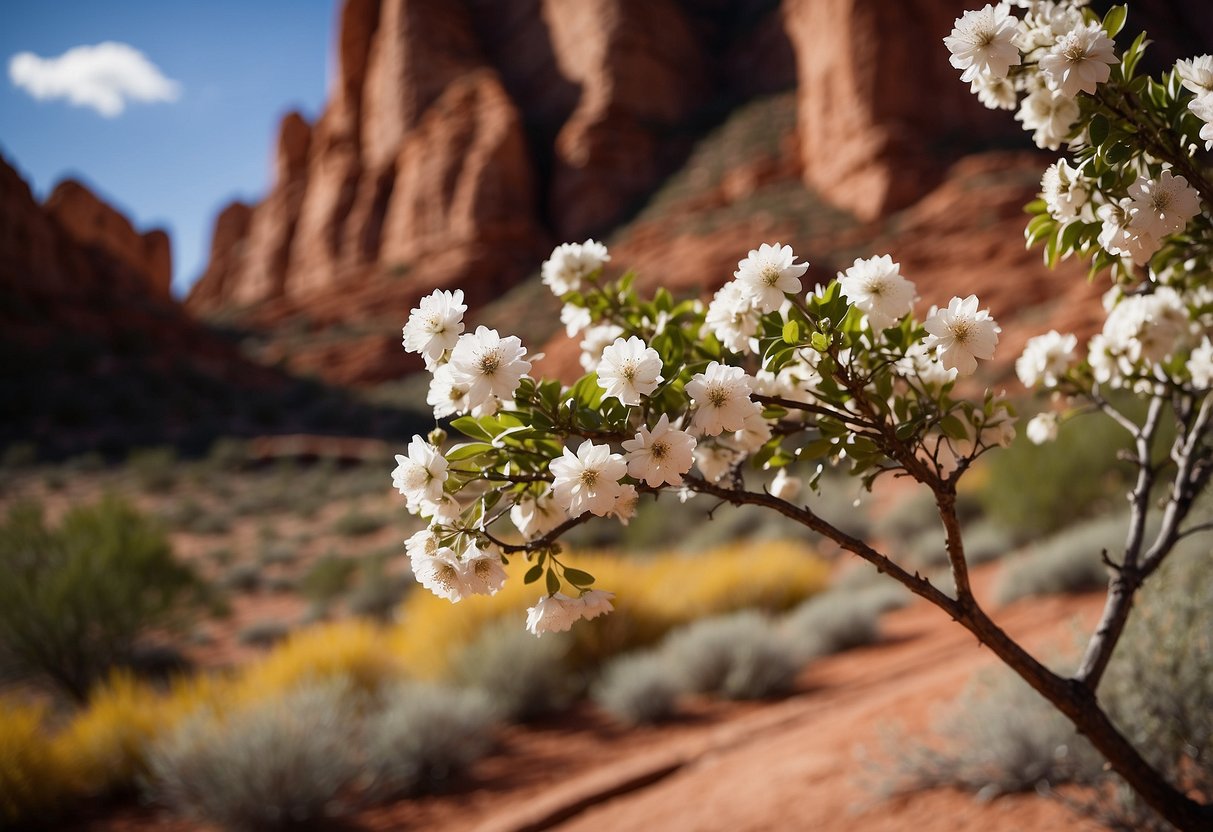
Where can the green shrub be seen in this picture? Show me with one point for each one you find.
(276, 764)
(999, 736)
(190, 516)
(739, 656)
(424, 736)
(379, 592)
(155, 469)
(639, 688)
(1160, 684)
(1066, 562)
(328, 578)
(356, 524)
(242, 577)
(264, 633)
(1033, 490)
(19, 455)
(839, 620)
(277, 554)
(75, 599)
(526, 677)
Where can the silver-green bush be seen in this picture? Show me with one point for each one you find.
(1065, 562)
(273, 765)
(740, 656)
(841, 619)
(638, 688)
(526, 677)
(425, 735)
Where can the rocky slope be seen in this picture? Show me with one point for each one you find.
(95, 355)
(462, 139)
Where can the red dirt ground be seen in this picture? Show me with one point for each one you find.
(789, 765)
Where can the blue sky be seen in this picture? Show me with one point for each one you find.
(240, 65)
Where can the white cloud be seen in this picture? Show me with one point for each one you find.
(105, 77)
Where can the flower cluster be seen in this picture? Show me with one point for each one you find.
(778, 376)
(1048, 56)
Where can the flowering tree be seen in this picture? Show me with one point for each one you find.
(679, 396)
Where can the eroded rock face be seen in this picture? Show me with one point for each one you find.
(487, 126)
(882, 113)
(92, 223)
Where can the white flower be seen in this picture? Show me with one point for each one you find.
(994, 93)
(575, 319)
(732, 317)
(660, 456)
(483, 573)
(625, 504)
(553, 614)
(721, 395)
(877, 288)
(1117, 237)
(1202, 107)
(488, 365)
(754, 432)
(587, 480)
(767, 274)
(628, 370)
(1064, 191)
(571, 263)
(1045, 22)
(785, 486)
(1046, 358)
(442, 573)
(963, 334)
(596, 602)
(536, 516)
(715, 460)
(1079, 61)
(435, 324)
(1162, 206)
(1200, 365)
(1149, 328)
(983, 43)
(445, 396)
(420, 475)
(1050, 115)
(920, 362)
(445, 509)
(1042, 428)
(421, 545)
(1197, 74)
(597, 338)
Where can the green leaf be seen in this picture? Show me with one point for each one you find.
(1114, 20)
(1117, 153)
(533, 574)
(471, 426)
(467, 450)
(553, 582)
(953, 427)
(819, 342)
(791, 333)
(578, 577)
(1099, 128)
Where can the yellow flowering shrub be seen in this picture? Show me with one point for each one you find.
(108, 740)
(653, 595)
(355, 649)
(34, 777)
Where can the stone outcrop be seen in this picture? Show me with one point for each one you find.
(479, 130)
(882, 113)
(75, 241)
(462, 139)
(92, 223)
